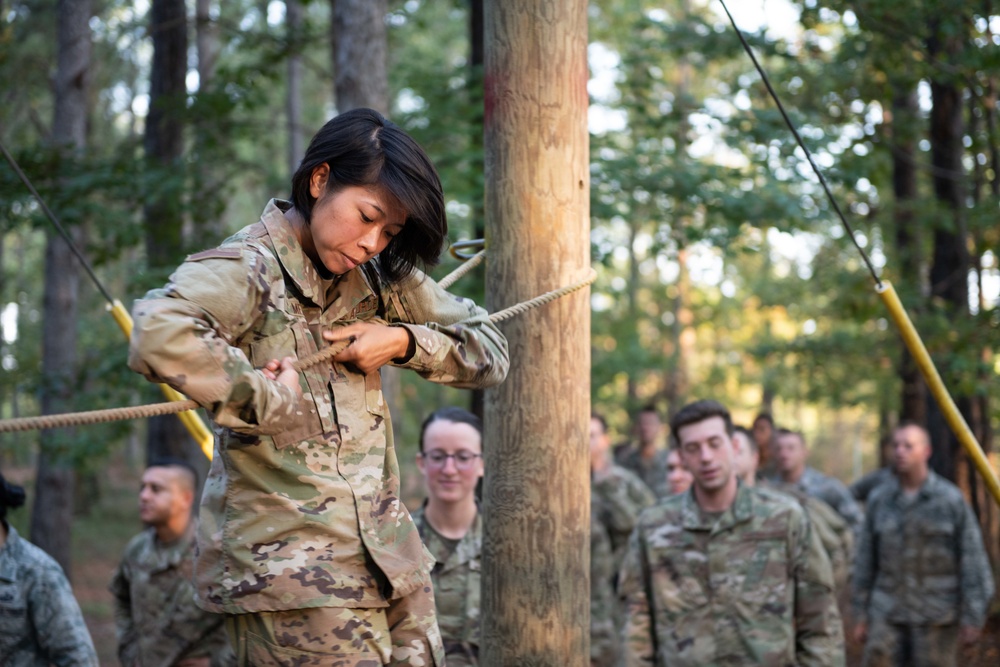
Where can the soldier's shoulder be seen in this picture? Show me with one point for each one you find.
(774, 505)
(33, 564)
(666, 510)
(624, 475)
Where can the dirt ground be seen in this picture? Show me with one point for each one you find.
(100, 538)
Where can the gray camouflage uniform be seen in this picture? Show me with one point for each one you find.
(605, 618)
(834, 493)
(301, 507)
(752, 587)
(920, 569)
(157, 621)
(456, 576)
(653, 472)
(40, 620)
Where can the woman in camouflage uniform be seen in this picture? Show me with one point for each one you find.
(303, 542)
(451, 459)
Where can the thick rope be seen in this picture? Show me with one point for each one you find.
(470, 264)
(157, 409)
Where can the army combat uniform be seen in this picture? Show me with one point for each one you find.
(605, 619)
(921, 573)
(456, 576)
(750, 586)
(834, 493)
(622, 496)
(157, 621)
(653, 472)
(40, 620)
(301, 524)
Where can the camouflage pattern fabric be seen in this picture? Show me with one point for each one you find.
(653, 472)
(40, 620)
(157, 621)
(833, 531)
(619, 496)
(892, 645)
(456, 575)
(834, 493)
(921, 561)
(605, 610)
(301, 507)
(751, 587)
(863, 487)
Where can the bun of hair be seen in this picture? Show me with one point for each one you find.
(11, 495)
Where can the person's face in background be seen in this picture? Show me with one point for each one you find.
(451, 460)
(679, 479)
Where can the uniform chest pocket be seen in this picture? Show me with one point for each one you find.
(766, 559)
(276, 346)
(285, 343)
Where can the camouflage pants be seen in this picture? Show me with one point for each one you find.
(892, 645)
(405, 634)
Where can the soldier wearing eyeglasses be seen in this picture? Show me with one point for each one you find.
(451, 526)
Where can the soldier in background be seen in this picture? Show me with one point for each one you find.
(791, 455)
(40, 620)
(922, 579)
(646, 457)
(605, 619)
(157, 621)
(451, 526)
(679, 479)
(619, 494)
(763, 435)
(726, 574)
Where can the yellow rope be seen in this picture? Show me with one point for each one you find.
(326, 354)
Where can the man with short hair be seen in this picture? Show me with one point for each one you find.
(791, 455)
(646, 457)
(679, 479)
(922, 579)
(724, 574)
(158, 623)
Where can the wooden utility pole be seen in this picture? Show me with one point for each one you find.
(536, 548)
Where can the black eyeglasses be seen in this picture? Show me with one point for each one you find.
(463, 459)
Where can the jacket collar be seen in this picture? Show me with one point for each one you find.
(740, 511)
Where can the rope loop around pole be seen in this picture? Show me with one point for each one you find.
(326, 354)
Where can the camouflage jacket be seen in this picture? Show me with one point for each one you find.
(157, 621)
(301, 506)
(605, 616)
(921, 562)
(833, 531)
(752, 587)
(834, 493)
(456, 575)
(619, 497)
(862, 488)
(40, 620)
(652, 472)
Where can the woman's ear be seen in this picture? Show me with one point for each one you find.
(318, 180)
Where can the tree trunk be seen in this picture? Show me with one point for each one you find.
(207, 43)
(164, 144)
(950, 262)
(913, 403)
(293, 103)
(360, 53)
(536, 547)
(52, 515)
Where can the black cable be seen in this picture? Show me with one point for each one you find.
(795, 132)
(55, 221)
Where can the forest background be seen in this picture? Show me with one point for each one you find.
(155, 129)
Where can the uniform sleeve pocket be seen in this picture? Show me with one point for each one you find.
(278, 346)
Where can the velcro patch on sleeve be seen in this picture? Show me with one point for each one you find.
(215, 253)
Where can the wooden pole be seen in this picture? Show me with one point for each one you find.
(536, 550)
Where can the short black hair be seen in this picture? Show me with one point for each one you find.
(450, 414)
(11, 496)
(764, 416)
(363, 148)
(174, 462)
(692, 413)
